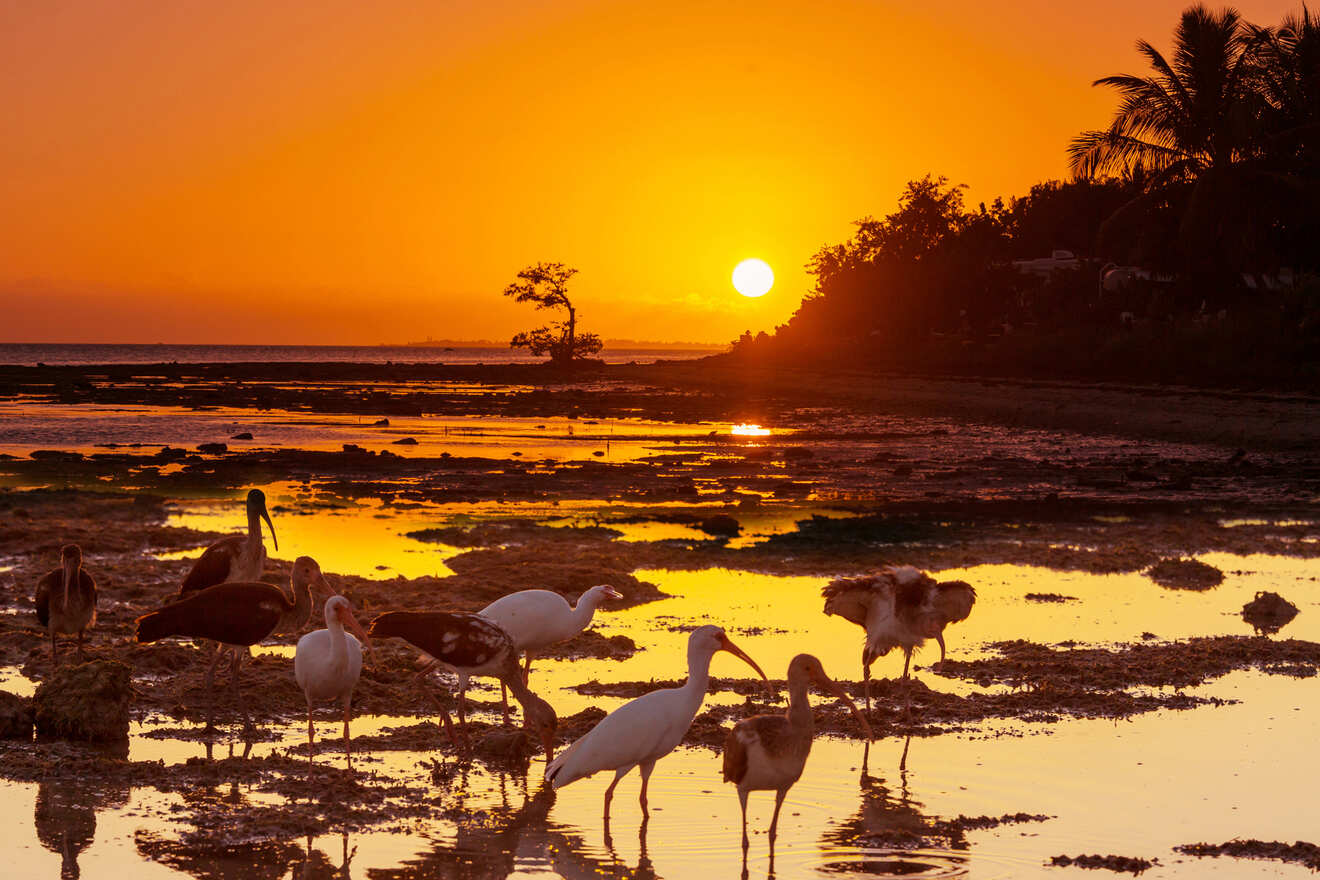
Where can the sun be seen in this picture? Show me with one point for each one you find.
(753, 278)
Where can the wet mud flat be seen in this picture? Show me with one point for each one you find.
(914, 493)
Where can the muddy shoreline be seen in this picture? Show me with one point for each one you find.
(855, 485)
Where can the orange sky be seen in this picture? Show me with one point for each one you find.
(347, 172)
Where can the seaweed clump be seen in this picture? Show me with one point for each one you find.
(1121, 864)
(1185, 574)
(1268, 612)
(85, 702)
(15, 717)
(1301, 852)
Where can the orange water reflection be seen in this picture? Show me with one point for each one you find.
(1135, 787)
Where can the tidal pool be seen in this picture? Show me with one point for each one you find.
(1136, 787)
(98, 428)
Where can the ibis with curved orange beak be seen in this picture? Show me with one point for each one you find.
(327, 665)
(644, 730)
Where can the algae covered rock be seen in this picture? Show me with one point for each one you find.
(15, 717)
(85, 702)
(1185, 574)
(1268, 612)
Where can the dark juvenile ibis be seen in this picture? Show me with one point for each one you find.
(237, 557)
(644, 730)
(769, 752)
(66, 598)
(239, 614)
(899, 608)
(327, 665)
(471, 645)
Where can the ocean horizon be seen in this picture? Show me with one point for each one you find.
(72, 354)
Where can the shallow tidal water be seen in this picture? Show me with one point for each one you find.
(1134, 787)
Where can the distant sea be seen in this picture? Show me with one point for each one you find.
(30, 354)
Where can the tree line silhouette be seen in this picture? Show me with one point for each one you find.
(1195, 216)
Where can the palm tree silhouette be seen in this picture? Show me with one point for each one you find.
(1189, 132)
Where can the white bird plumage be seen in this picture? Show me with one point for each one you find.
(328, 663)
(537, 619)
(644, 730)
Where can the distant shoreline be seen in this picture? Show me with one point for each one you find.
(436, 352)
(615, 344)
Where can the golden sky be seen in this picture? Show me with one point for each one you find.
(345, 172)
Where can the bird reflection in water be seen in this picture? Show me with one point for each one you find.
(247, 740)
(222, 860)
(885, 818)
(512, 837)
(317, 865)
(65, 812)
(889, 820)
(644, 870)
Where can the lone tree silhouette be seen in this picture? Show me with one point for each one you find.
(544, 285)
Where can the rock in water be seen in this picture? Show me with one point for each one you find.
(1268, 612)
(15, 717)
(86, 702)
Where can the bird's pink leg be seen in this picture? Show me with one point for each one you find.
(54, 664)
(866, 682)
(646, 777)
(609, 793)
(527, 667)
(907, 683)
(939, 637)
(348, 740)
(774, 820)
(504, 701)
(309, 738)
(210, 686)
(234, 683)
(448, 725)
(742, 800)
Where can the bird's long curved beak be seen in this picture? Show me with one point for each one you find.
(270, 525)
(69, 569)
(350, 623)
(613, 593)
(826, 682)
(726, 645)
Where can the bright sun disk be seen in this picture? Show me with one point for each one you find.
(753, 278)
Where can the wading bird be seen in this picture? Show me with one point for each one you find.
(899, 608)
(237, 614)
(537, 619)
(66, 599)
(769, 752)
(470, 645)
(237, 557)
(327, 664)
(644, 730)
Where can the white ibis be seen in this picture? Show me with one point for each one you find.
(644, 730)
(899, 608)
(238, 615)
(769, 752)
(237, 557)
(471, 645)
(66, 598)
(327, 664)
(537, 619)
